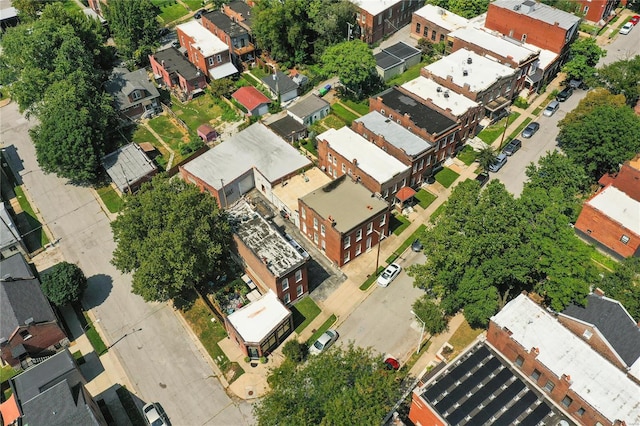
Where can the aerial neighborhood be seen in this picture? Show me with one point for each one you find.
(286, 212)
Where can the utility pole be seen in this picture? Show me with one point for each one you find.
(504, 132)
(349, 31)
(421, 333)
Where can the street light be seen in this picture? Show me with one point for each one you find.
(421, 333)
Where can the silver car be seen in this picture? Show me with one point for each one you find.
(154, 415)
(551, 108)
(389, 274)
(324, 342)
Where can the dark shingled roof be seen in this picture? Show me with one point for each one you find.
(285, 84)
(385, 60)
(241, 7)
(430, 120)
(287, 126)
(21, 298)
(174, 61)
(613, 321)
(402, 50)
(224, 23)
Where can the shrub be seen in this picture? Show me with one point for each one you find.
(521, 103)
(295, 350)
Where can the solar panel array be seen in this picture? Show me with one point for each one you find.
(480, 389)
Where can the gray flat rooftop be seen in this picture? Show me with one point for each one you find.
(331, 199)
(540, 11)
(127, 165)
(255, 147)
(499, 45)
(413, 145)
(9, 234)
(426, 88)
(263, 240)
(308, 106)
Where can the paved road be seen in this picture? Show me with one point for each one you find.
(163, 364)
(384, 320)
(622, 47)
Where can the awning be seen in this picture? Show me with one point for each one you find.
(497, 104)
(536, 77)
(405, 193)
(223, 71)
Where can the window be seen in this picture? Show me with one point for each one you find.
(425, 32)
(315, 237)
(323, 245)
(329, 158)
(415, 167)
(441, 37)
(421, 164)
(433, 35)
(299, 290)
(287, 298)
(304, 213)
(549, 386)
(315, 223)
(219, 58)
(304, 227)
(358, 234)
(566, 401)
(335, 161)
(383, 220)
(380, 19)
(210, 60)
(344, 168)
(535, 375)
(347, 256)
(580, 411)
(624, 239)
(298, 275)
(382, 112)
(390, 12)
(369, 228)
(358, 249)
(386, 193)
(285, 284)
(519, 361)
(135, 95)
(322, 230)
(25, 334)
(363, 17)
(418, 28)
(586, 9)
(524, 38)
(347, 242)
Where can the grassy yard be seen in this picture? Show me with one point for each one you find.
(602, 260)
(467, 155)
(251, 79)
(258, 73)
(516, 132)
(346, 115)
(170, 10)
(94, 338)
(6, 373)
(407, 243)
(446, 177)
(437, 212)
(463, 337)
(490, 133)
(203, 109)
(193, 4)
(34, 224)
(408, 75)
(324, 327)
(308, 145)
(110, 198)
(425, 198)
(361, 108)
(398, 224)
(171, 133)
(71, 6)
(304, 312)
(142, 134)
(333, 121)
(372, 278)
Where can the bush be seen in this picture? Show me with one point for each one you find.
(192, 146)
(263, 360)
(64, 283)
(521, 103)
(295, 351)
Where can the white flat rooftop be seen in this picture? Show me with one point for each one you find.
(494, 43)
(428, 89)
(482, 72)
(258, 319)
(546, 57)
(595, 379)
(374, 7)
(299, 186)
(394, 133)
(372, 160)
(442, 17)
(204, 40)
(619, 207)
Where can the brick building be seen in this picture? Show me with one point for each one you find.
(342, 234)
(344, 152)
(431, 125)
(240, 12)
(397, 141)
(377, 19)
(460, 108)
(176, 72)
(206, 51)
(232, 33)
(270, 260)
(479, 78)
(578, 379)
(434, 24)
(597, 10)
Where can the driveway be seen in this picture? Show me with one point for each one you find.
(160, 359)
(384, 320)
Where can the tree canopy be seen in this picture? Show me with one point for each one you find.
(623, 285)
(353, 62)
(622, 77)
(29, 9)
(465, 8)
(435, 321)
(171, 237)
(64, 283)
(343, 386)
(134, 27)
(584, 54)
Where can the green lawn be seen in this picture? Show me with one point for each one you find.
(258, 73)
(490, 133)
(170, 10)
(446, 177)
(34, 224)
(463, 337)
(537, 110)
(346, 115)
(467, 155)
(203, 109)
(437, 212)
(308, 145)
(193, 4)
(6, 373)
(172, 134)
(516, 132)
(71, 6)
(408, 75)
(372, 278)
(110, 198)
(324, 327)
(333, 121)
(406, 243)
(398, 223)
(249, 78)
(425, 198)
(361, 108)
(94, 338)
(142, 134)
(602, 259)
(304, 312)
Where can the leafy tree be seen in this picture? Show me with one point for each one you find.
(588, 48)
(295, 351)
(594, 98)
(622, 77)
(64, 283)
(347, 386)
(29, 9)
(172, 237)
(431, 313)
(328, 21)
(602, 139)
(134, 27)
(623, 284)
(352, 61)
(578, 68)
(75, 129)
(222, 87)
(468, 8)
(486, 157)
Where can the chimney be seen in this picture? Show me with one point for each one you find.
(598, 292)
(469, 60)
(567, 378)
(355, 161)
(535, 351)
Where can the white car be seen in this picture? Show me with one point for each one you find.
(626, 29)
(324, 342)
(153, 415)
(389, 274)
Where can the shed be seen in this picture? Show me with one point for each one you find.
(207, 133)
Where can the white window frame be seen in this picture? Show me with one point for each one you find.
(383, 220)
(285, 284)
(303, 211)
(136, 95)
(322, 229)
(369, 228)
(346, 243)
(315, 223)
(358, 249)
(210, 60)
(298, 275)
(219, 58)
(299, 290)
(347, 256)
(287, 298)
(358, 234)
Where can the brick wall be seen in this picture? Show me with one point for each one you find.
(43, 337)
(423, 28)
(375, 28)
(197, 58)
(599, 227)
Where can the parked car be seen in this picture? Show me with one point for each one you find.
(154, 415)
(199, 14)
(482, 178)
(391, 363)
(530, 130)
(635, 19)
(512, 147)
(565, 94)
(626, 29)
(389, 274)
(416, 245)
(500, 161)
(324, 342)
(577, 84)
(551, 108)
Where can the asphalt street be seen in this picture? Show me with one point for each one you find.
(622, 47)
(162, 362)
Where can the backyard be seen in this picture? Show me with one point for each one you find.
(172, 134)
(204, 110)
(141, 135)
(170, 10)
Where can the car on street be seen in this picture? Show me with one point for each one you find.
(391, 363)
(635, 19)
(389, 274)
(512, 147)
(482, 178)
(626, 29)
(564, 94)
(530, 130)
(199, 13)
(416, 245)
(551, 108)
(324, 342)
(154, 415)
(500, 161)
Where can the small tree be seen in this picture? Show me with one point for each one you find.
(295, 351)
(486, 157)
(64, 283)
(435, 321)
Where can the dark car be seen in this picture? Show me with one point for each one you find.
(530, 130)
(163, 32)
(199, 14)
(512, 147)
(565, 94)
(416, 245)
(482, 178)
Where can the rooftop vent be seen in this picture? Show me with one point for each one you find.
(439, 89)
(516, 7)
(465, 73)
(469, 60)
(446, 94)
(28, 321)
